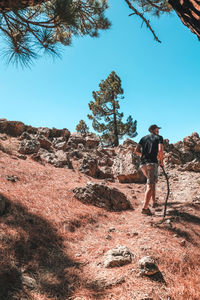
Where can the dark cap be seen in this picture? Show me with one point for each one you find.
(153, 127)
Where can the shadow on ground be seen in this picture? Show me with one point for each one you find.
(183, 223)
(31, 248)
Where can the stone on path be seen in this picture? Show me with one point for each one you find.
(147, 266)
(117, 257)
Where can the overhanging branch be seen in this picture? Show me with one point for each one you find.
(147, 22)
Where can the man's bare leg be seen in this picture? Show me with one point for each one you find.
(153, 193)
(148, 194)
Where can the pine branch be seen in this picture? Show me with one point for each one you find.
(158, 7)
(136, 12)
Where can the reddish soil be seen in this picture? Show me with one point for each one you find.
(50, 236)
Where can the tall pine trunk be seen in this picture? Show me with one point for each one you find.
(116, 140)
(7, 5)
(189, 13)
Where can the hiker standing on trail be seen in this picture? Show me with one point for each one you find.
(150, 148)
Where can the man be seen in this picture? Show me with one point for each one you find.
(150, 148)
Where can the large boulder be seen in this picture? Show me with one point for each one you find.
(102, 196)
(126, 167)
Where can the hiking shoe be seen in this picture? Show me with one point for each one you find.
(155, 204)
(146, 211)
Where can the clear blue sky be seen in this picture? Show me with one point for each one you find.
(160, 81)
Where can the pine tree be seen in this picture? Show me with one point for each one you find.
(45, 25)
(106, 118)
(82, 127)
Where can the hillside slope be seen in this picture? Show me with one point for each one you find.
(53, 246)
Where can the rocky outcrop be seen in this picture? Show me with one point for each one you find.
(12, 128)
(117, 257)
(185, 154)
(119, 163)
(102, 196)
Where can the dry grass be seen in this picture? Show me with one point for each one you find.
(60, 242)
(9, 145)
(182, 273)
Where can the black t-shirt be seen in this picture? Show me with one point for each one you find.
(149, 150)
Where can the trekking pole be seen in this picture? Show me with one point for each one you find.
(168, 191)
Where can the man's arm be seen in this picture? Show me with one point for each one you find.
(138, 150)
(160, 154)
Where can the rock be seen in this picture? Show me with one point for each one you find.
(126, 167)
(88, 141)
(57, 140)
(36, 157)
(29, 282)
(56, 133)
(183, 243)
(147, 266)
(129, 143)
(75, 154)
(11, 128)
(25, 136)
(21, 156)
(89, 166)
(110, 152)
(29, 146)
(12, 178)
(102, 196)
(105, 173)
(2, 204)
(103, 283)
(117, 257)
(76, 139)
(92, 141)
(61, 159)
(191, 166)
(3, 137)
(61, 146)
(173, 159)
(44, 131)
(31, 129)
(44, 142)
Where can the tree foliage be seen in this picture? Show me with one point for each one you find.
(82, 127)
(47, 25)
(30, 26)
(106, 118)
